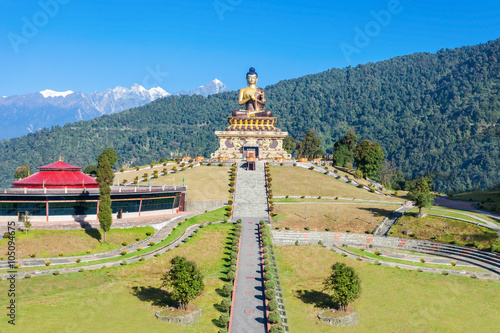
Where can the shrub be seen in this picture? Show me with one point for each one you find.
(328, 229)
(88, 251)
(370, 246)
(319, 197)
(348, 230)
(124, 252)
(422, 260)
(445, 273)
(233, 268)
(359, 259)
(297, 242)
(234, 255)
(320, 243)
(274, 318)
(473, 276)
(376, 262)
(270, 294)
(377, 252)
(225, 304)
(32, 255)
(396, 266)
(287, 196)
(302, 197)
(224, 319)
(419, 270)
(307, 228)
(56, 273)
(227, 288)
(124, 262)
(287, 228)
(231, 275)
(124, 244)
(148, 233)
(47, 263)
(273, 305)
(453, 263)
(103, 267)
(152, 243)
(269, 285)
(142, 259)
(343, 255)
(78, 260)
(268, 268)
(265, 256)
(61, 254)
(276, 329)
(234, 261)
(268, 276)
(137, 239)
(16, 266)
(139, 248)
(27, 276)
(264, 250)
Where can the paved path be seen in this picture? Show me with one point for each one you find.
(166, 228)
(250, 205)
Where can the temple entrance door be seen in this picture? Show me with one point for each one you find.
(250, 152)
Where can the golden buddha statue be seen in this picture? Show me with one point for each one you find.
(254, 98)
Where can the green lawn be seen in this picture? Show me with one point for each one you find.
(489, 200)
(50, 243)
(121, 299)
(392, 300)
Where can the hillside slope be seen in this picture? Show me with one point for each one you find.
(432, 113)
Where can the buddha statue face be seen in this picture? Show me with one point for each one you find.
(252, 79)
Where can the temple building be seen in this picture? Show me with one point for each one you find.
(61, 192)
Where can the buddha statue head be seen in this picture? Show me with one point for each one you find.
(252, 76)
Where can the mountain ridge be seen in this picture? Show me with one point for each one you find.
(433, 113)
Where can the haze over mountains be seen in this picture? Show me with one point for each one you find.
(31, 112)
(433, 114)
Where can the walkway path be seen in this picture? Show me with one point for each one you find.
(250, 205)
(163, 232)
(383, 228)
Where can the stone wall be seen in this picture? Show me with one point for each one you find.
(349, 320)
(185, 320)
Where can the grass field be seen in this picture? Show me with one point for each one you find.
(300, 181)
(204, 182)
(431, 228)
(122, 299)
(50, 243)
(466, 215)
(350, 216)
(392, 300)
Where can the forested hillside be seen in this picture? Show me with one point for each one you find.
(432, 114)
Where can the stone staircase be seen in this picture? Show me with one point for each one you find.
(250, 200)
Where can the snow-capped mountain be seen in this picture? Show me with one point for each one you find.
(24, 114)
(214, 87)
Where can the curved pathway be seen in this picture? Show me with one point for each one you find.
(161, 234)
(167, 247)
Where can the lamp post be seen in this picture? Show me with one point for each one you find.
(306, 212)
(444, 225)
(403, 218)
(335, 215)
(370, 216)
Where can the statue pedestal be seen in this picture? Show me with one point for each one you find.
(241, 144)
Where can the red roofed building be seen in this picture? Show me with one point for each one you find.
(57, 175)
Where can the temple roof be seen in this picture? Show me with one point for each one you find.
(57, 175)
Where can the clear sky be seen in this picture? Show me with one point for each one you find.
(94, 45)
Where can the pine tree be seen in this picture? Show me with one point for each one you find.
(105, 178)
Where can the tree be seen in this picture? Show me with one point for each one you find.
(310, 146)
(368, 157)
(110, 154)
(22, 172)
(105, 178)
(289, 144)
(90, 170)
(185, 279)
(26, 221)
(345, 284)
(420, 193)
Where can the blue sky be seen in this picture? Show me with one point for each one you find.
(94, 45)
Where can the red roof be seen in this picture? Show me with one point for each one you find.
(57, 175)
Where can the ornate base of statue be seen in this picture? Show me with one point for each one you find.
(251, 132)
